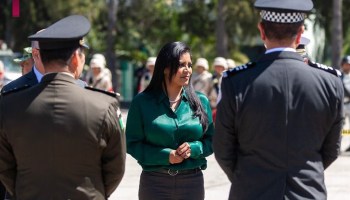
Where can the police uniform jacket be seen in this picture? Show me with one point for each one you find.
(28, 79)
(278, 127)
(60, 141)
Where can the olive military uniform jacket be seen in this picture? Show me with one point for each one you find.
(278, 127)
(28, 79)
(60, 141)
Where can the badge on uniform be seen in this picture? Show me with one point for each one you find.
(120, 119)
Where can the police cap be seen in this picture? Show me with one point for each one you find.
(284, 11)
(65, 33)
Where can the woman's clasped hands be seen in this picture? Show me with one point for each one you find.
(181, 153)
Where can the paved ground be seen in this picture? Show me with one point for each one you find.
(217, 185)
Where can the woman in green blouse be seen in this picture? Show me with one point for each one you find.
(169, 130)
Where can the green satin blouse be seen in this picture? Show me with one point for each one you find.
(153, 130)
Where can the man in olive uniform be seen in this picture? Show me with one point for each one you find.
(279, 120)
(69, 143)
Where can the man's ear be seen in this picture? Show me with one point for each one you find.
(74, 60)
(36, 54)
(300, 32)
(262, 31)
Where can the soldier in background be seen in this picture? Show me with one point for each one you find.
(26, 61)
(230, 63)
(220, 65)
(301, 48)
(202, 78)
(147, 75)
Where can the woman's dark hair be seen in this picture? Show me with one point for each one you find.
(281, 31)
(169, 57)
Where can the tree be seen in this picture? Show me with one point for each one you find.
(337, 34)
(220, 31)
(111, 35)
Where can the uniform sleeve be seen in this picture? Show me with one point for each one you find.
(225, 142)
(145, 154)
(7, 159)
(203, 147)
(113, 158)
(331, 145)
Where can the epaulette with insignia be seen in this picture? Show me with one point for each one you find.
(238, 69)
(112, 94)
(325, 68)
(15, 90)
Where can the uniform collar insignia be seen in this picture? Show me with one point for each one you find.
(238, 69)
(325, 68)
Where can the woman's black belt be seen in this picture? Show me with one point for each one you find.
(174, 172)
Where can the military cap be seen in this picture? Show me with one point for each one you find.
(283, 11)
(27, 53)
(65, 33)
(345, 59)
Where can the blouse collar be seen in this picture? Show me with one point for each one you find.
(161, 96)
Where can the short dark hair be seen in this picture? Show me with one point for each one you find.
(281, 31)
(61, 55)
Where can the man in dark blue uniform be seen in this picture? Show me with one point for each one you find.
(34, 76)
(279, 120)
(70, 142)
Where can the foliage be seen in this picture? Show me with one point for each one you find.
(143, 26)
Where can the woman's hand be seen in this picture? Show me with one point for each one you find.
(174, 158)
(184, 150)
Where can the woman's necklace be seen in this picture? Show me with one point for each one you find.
(174, 101)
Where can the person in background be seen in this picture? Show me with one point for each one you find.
(202, 79)
(230, 63)
(101, 57)
(26, 61)
(100, 79)
(31, 78)
(70, 143)
(147, 76)
(169, 130)
(345, 68)
(279, 120)
(301, 48)
(3, 79)
(34, 76)
(220, 65)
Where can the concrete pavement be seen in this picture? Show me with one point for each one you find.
(217, 186)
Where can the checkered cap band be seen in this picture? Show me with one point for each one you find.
(279, 17)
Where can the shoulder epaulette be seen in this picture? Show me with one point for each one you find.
(325, 68)
(112, 94)
(238, 69)
(16, 89)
